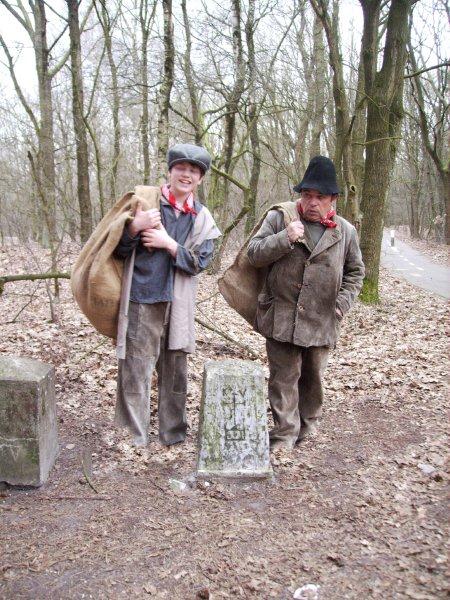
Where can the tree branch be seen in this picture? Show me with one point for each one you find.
(228, 337)
(62, 61)
(237, 183)
(30, 277)
(17, 86)
(383, 139)
(16, 15)
(417, 73)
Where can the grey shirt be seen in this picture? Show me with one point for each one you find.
(154, 271)
(315, 230)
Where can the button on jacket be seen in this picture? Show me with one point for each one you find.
(305, 283)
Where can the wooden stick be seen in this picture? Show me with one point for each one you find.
(228, 338)
(30, 277)
(73, 498)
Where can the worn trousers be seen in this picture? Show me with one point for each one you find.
(146, 349)
(295, 388)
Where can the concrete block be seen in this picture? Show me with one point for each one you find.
(233, 433)
(28, 427)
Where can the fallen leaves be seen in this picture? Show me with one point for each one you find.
(358, 511)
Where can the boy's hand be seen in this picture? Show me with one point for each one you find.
(159, 238)
(144, 219)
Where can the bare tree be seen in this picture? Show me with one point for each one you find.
(84, 198)
(318, 59)
(196, 119)
(43, 166)
(165, 89)
(253, 118)
(108, 22)
(384, 89)
(232, 95)
(433, 124)
(146, 19)
(342, 151)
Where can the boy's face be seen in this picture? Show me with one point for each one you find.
(184, 177)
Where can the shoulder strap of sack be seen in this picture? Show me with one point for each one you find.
(289, 210)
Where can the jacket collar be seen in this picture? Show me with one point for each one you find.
(330, 237)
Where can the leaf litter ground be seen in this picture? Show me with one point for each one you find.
(359, 510)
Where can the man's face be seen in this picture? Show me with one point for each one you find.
(184, 177)
(315, 205)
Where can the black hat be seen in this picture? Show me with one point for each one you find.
(196, 155)
(320, 175)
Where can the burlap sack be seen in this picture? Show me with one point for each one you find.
(241, 283)
(97, 275)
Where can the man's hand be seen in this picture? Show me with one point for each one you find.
(295, 231)
(159, 238)
(144, 219)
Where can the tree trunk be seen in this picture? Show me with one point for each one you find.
(304, 122)
(145, 31)
(145, 115)
(253, 114)
(342, 150)
(445, 176)
(107, 26)
(232, 104)
(320, 71)
(84, 199)
(434, 150)
(414, 224)
(165, 90)
(193, 96)
(46, 153)
(359, 131)
(384, 114)
(68, 201)
(197, 121)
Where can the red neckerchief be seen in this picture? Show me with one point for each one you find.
(326, 220)
(188, 206)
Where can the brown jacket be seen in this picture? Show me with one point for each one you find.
(303, 288)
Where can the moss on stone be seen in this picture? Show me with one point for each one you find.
(32, 453)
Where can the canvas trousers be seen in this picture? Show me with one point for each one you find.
(295, 388)
(146, 344)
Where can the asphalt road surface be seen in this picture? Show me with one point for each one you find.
(415, 267)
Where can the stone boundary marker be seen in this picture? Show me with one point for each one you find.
(28, 428)
(233, 433)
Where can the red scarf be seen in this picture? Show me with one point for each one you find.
(188, 206)
(326, 220)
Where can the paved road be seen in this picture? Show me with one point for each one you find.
(415, 267)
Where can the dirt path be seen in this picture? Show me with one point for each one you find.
(415, 266)
(436, 252)
(358, 511)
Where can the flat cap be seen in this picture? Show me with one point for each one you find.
(196, 155)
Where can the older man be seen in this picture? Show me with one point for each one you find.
(313, 273)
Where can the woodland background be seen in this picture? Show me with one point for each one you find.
(93, 93)
(91, 96)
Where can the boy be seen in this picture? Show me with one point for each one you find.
(172, 246)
